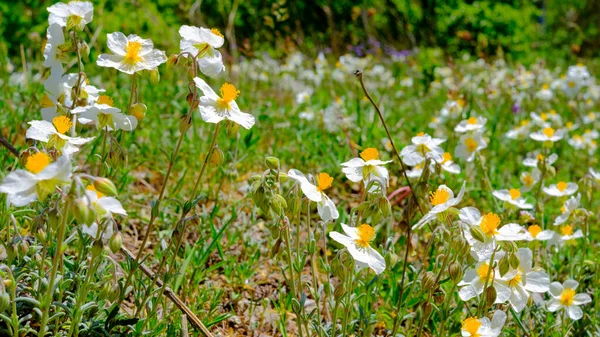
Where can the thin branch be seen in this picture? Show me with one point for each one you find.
(9, 146)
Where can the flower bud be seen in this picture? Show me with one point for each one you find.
(490, 296)
(232, 128)
(455, 271)
(105, 186)
(97, 247)
(115, 242)
(138, 110)
(272, 163)
(8, 284)
(154, 76)
(4, 301)
(172, 60)
(427, 308)
(514, 261)
(428, 280)
(477, 233)
(84, 48)
(283, 177)
(503, 265)
(83, 214)
(217, 157)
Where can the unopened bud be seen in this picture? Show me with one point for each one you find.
(83, 214)
(115, 242)
(283, 177)
(154, 76)
(427, 308)
(138, 110)
(477, 234)
(272, 163)
(490, 296)
(232, 128)
(4, 301)
(106, 187)
(217, 157)
(172, 60)
(185, 122)
(514, 261)
(428, 280)
(339, 292)
(97, 247)
(455, 271)
(503, 265)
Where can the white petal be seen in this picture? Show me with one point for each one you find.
(575, 312)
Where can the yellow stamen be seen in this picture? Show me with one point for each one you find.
(528, 180)
(324, 181)
(62, 124)
(525, 122)
(228, 94)
(92, 188)
(471, 325)
(540, 157)
(489, 224)
(104, 99)
(365, 234)
(472, 120)
(447, 157)
(569, 125)
(369, 154)
(567, 230)
(461, 102)
(132, 52)
(514, 193)
(571, 84)
(483, 271)
(549, 132)
(216, 32)
(420, 134)
(36, 163)
(534, 230)
(545, 87)
(471, 144)
(567, 297)
(591, 116)
(515, 280)
(544, 116)
(561, 186)
(439, 197)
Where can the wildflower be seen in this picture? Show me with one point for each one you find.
(512, 197)
(214, 108)
(39, 179)
(529, 179)
(483, 327)
(535, 232)
(471, 124)
(52, 54)
(520, 131)
(595, 174)
(568, 207)
(489, 225)
(131, 54)
(545, 119)
(105, 206)
(564, 296)
(538, 160)
(469, 144)
(474, 281)
(416, 171)
(517, 283)
(561, 189)
(547, 134)
(367, 168)
(441, 200)
(57, 97)
(357, 240)
(590, 118)
(448, 165)
(326, 207)
(202, 44)
(567, 233)
(75, 14)
(545, 94)
(102, 114)
(423, 146)
(55, 134)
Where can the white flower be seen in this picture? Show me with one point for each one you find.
(545, 94)
(579, 72)
(535, 232)
(489, 224)
(441, 200)
(357, 241)
(564, 296)
(423, 146)
(74, 14)
(568, 207)
(214, 109)
(326, 207)
(520, 131)
(529, 179)
(537, 160)
(448, 165)
(104, 115)
(416, 171)
(39, 179)
(595, 174)
(567, 234)
(513, 197)
(468, 145)
(55, 134)
(104, 206)
(57, 98)
(544, 119)
(131, 54)
(547, 134)
(471, 124)
(590, 118)
(483, 327)
(561, 189)
(474, 280)
(367, 168)
(202, 44)
(52, 55)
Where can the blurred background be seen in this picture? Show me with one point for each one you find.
(520, 30)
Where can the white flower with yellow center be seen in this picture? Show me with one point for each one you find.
(567, 209)
(357, 240)
(40, 178)
(57, 97)
(545, 93)
(561, 189)
(423, 146)
(545, 119)
(367, 168)
(75, 14)
(520, 131)
(104, 207)
(580, 72)
(567, 233)
(441, 200)
(547, 134)
(326, 207)
(202, 43)
(214, 108)
(470, 144)
(591, 117)
(538, 159)
(475, 278)
(471, 124)
(590, 134)
(489, 225)
(571, 86)
(416, 171)
(529, 179)
(448, 165)
(517, 284)
(512, 197)
(483, 327)
(55, 134)
(578, 142)
(53, 56)
(535, 232)
(103, 114)
(131, 54)
(565, 296)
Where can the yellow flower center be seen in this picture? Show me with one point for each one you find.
(104, 99)
(483, 271)
(324, 181)
(524, 122)
(591, 116)
(472, 120)
(545, 86)
(47, 102)
(544, 116)
(567, 230)
(62, 124)
(514, 193)
(571, 84)
(569, 125)
(365, 234)
(132, 52)
(515, 280)
(447, 157)
(92, 188)
(36, 163)
(228, 94)
(471, 325)
(561, 186)
(540, 157)
(563, 209)
(471, 144)
(439, 197)
(549, 132)
(528, 180)
(461, 102)
(489, 224)
(534, 230)
(369, 154)
(567, 297)
(216, 32)
(420, 134)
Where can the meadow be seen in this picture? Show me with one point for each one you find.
(185, 192)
